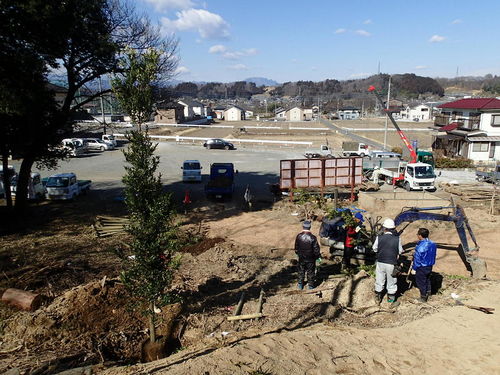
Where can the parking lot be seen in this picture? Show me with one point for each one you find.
(257, 167)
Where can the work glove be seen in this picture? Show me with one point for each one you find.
(413, 272)
(318, 261)
(357, 229)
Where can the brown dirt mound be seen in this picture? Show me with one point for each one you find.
(89, 321)
(202, 246)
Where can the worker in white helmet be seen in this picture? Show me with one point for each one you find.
(388, 247)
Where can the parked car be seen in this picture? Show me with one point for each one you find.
(218, 143)
(109, 138)
(191, 170)
(94, 144)
(74, 146)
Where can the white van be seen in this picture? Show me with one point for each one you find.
(191, 171)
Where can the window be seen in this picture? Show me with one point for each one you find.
(495, 120)
(480, 147)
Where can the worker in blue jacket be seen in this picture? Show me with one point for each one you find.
(423, 260)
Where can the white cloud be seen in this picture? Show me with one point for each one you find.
(456, 22)
(437, 38)
(162, 5)
(218, 48)
(235, 55)
(182, 70)
(367, 22)
(421, 67)
(340, 31)
(208, 25)
(314, 68)
(238, 67)
(359, 75)
(362, 32)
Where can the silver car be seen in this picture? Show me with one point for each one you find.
(94, 144)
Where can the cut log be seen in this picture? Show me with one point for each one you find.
(22, 299)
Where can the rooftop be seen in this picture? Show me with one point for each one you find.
(473, 103)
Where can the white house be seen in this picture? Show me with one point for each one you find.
(248, 114)
(193, 108)
(298, 114)
(234, 113)
(349, 113)
(469, 128)
(421, 112)
(280, 114)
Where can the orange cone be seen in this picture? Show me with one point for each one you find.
(187, 198)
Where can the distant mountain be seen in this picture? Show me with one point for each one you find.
(261, 81)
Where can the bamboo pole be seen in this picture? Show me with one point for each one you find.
(245, 317)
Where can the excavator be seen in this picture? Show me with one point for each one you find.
(363, 252)
(472, 262)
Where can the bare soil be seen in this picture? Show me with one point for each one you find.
(90, 320)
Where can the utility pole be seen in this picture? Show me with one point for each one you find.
(102, 107)
(387, 115)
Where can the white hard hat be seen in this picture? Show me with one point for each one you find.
(389, 224)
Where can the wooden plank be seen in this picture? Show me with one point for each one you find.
(245, 317)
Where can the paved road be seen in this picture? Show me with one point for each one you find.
(351, 135)
(257, 168)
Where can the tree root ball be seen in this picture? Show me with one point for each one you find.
(152, 351)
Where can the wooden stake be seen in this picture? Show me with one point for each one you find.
(261, 301)
(239, 307)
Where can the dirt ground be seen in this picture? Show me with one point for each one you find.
(88, 320)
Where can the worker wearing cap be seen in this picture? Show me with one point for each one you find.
(351, 235)
(388, 247)
(307, 249)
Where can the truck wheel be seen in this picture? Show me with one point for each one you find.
(329, 156)
(407, 186)
(388, 181)
(362, 154)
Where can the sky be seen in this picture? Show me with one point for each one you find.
(230, 40)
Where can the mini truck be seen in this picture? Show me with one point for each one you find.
(221, 181)
(493, 176)
(65, 186)
(191, 171)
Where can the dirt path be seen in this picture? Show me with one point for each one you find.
(455, 340)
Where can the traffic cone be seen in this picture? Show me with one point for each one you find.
(187, 198)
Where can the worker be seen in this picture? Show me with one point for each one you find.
(331, 232)
(307, 249)
(388, 247)
(423, 260)
(351, 237)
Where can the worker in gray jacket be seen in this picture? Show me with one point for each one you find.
(388, 247)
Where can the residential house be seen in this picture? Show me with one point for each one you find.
(469, 128)
(280, 114)
(192, 108)
(248, 114)
(421, 112)
(234, 113)
(298, 114)
(169, 113)
(349, 113)
(219, 112)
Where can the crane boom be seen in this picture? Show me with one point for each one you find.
(413, 154)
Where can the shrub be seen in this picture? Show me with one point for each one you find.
(453, 163)
(397, 150)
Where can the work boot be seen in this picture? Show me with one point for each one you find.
(391, 298)
(378, 298)
(423, 299)
(300, 286)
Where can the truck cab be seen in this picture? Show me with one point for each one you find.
(191, 170)
(419, 176)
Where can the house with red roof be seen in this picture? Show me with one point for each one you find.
(469, 128)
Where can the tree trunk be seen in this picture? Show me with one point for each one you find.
(22, 183)
(152, 329)
(6, 176)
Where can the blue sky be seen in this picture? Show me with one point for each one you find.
(228, 40)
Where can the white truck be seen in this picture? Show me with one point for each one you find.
(411, 176)
(65, 186)
(36, 189)
(323, 152)
(74, 146)
(354, 149)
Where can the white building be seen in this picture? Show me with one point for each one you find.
(234, 113)
(193, 108)
(349, 113)
(280, 114)
(469, 128)
(421, 112)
